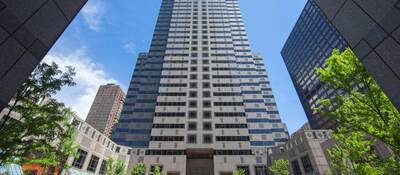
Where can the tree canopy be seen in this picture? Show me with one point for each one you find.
(138, 169)
(280, 167)
(363, 113)
(41, 132)
(115, 167)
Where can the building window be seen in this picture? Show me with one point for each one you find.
(207, 138)
(206, 85)
(93, 163)
(193, 61)
(191, 138)
(78, 161)
(206, 61)
(296, 167)
(193, 85)
(117, 149)
(206, 77)
(87, 130)
(261, 170)
(192, 104)
(207, 126)
(193, 69)
(192, 114)
(193, 77)
(193, 94)
(192, 126)
(166, 138)
(206, 114)
(307, 164)
(206, 94)
(232, 138)
(103, 167)
(206, 69)
(206, 104)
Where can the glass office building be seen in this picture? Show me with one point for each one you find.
(311, 41)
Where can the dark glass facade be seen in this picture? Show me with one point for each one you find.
(312, 40)
(372, 30)
(28, 29)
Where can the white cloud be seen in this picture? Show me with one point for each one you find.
(89, 76)
(130, 47)
(93, 13)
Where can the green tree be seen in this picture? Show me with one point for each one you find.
(115, 167)
(156, 171)
(363, 114)
(239, 172)
(353, 154)
(280, 167)
(138, 169)
(41, 132)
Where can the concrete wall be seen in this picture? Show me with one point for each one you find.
(179, 163)
(304, 143)
(96, 143)
(28, 29)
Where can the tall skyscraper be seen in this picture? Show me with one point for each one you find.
(28, 29)
(106, 108)
(370, 28)
(311, 41)
(200, 101)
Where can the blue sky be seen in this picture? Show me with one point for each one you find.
(106, 36)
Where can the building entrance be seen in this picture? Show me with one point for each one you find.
(199, 162)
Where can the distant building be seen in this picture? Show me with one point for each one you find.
(304, 151)
(370, 28)
(28, 29)
(106, 108)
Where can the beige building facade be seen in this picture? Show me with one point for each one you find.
(200, 101)
(94, 149)
(304, 152)
(106, 108)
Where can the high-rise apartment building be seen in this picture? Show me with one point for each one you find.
(200, 101)
(28, 29)
(106, 108)
(311, 41)
(370, 28)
